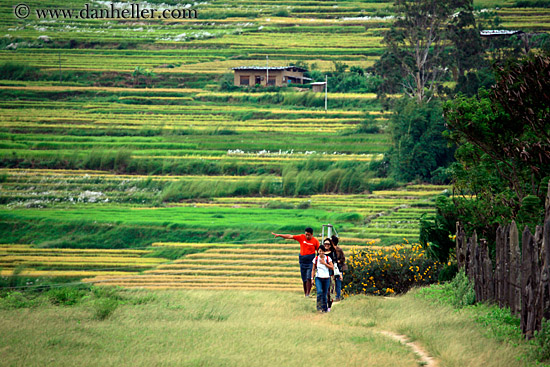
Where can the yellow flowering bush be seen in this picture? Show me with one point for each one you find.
(388, 271)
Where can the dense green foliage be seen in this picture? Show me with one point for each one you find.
(437, 230)
(503, 153)
(355, 80)
(458, 292)
(419, 150)
(503, 156)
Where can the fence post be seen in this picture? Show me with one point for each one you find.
(488, 278)
(544, 285)
(477, 269)
(460, 241)
(528, 283)
(514, 280)
(471, 245)
(499, 268)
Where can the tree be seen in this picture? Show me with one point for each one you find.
(419, 147)
(435, 230)
(509, 126)
(418, 44)
(503, 147)
(467, 53)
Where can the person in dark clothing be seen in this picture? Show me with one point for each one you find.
(330, 251)
(341, 262)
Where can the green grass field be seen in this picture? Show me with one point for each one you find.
(236, 328)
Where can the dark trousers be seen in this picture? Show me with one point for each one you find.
(322, 285)
(306, 266)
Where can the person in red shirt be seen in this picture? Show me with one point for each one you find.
(308, 248)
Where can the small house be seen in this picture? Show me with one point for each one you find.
(275, 75)
(318, 86)
(500, 37)
(499, 33)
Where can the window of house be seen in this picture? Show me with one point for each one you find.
(245, 80)
(271, 81)
(258, 79)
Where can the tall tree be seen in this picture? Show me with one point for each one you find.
(420, 43)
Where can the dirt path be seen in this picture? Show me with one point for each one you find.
(425, 359)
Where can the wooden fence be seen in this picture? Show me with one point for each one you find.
(520, 277)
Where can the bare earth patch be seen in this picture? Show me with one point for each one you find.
(425, 359)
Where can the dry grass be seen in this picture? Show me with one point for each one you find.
(247, 328)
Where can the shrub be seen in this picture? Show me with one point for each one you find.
(16, 299)
(383, 184)
(106, 292)
(349, 217)
(281, 13)
(279, 205)
(105, 302)
(304, 205)
(122, 159)
(463, 293)
(332, 180)
(104, 307)
(542, 340)
(448, 272)
(108, 160)
(66, 296)
(458, 293)
(388, 271)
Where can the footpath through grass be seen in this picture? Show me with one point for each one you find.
(245, 328)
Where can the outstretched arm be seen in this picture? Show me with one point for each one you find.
(285, 236)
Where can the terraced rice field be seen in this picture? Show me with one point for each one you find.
(110, 120)
(180, 126)
(269, 265)
(28, 261)
(383, 214)
(272, 266)
(221, 35)
(247, 267)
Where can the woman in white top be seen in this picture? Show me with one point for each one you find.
(321, 266)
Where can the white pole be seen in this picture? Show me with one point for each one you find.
(329, 228)
(267, 70)
(326, 87)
